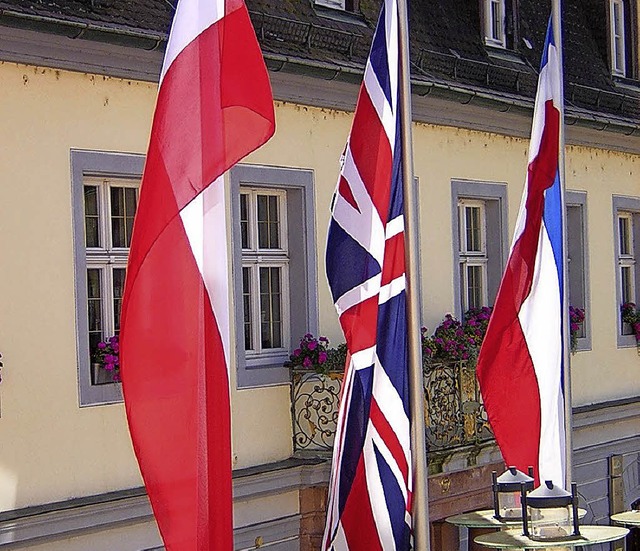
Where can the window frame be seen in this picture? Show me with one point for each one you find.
(494, 196)
(86, 165)
(255, 257)
(266, 369)
(488, 23)
(578, 200)
(332, 4)
(623, 205)
(472, 258)
(618, 49)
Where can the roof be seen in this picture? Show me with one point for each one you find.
(446, 43)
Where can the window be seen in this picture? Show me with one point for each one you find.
(626, 215)
(473, 253)
(351, 6)
(105, 197)
(336, 4)
(577, 260)
(480, 224)
(275, 253)
(622, 36)
(617, 37)
(494, 15)
(265, 264)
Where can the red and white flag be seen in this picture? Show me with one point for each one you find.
(214, 107)
(521, 360)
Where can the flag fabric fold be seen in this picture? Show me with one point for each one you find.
(521, 360)
(214, 106)
(370, 489)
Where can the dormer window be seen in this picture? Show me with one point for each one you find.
(334, 4)
(617, 42)
(494, 15)
(349, 6)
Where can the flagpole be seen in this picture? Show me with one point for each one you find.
(420, 510)
(556, 6)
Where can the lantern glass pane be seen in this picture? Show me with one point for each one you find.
(552, 523)
(509, 505)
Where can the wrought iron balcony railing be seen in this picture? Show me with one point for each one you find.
(455, 414)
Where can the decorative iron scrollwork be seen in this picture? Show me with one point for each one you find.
(314, 405)
(455, 415)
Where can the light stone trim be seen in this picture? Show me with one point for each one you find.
(279, 533)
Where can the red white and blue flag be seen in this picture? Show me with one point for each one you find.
(370, 488)
(214, 107)
(521, 361)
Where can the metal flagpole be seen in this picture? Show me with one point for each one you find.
(420, 513)
(556, 6)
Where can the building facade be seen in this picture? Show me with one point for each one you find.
(79, 80)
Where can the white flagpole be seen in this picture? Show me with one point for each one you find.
(556, 6)
(420, 513)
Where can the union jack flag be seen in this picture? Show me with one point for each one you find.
(370, 489)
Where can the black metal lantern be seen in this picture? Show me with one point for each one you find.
(550, 513)
(507, 493)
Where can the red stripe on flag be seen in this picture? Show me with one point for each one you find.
(176, 397)
(388, 435)
(359, 324)
(505, 370)
(345, 190)
(393, 265)
(357, 517)
(209, 115)
(372, 153)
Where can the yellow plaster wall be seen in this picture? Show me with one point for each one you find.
(50, 448)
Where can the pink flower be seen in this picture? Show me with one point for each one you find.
(307, 362)
(297, 352)
(102, 345)
(322, 357)
(312, 345)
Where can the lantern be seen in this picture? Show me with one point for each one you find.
(507, 493)
(550, 513)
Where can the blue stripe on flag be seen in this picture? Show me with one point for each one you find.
(378, 57)
(348, 263)
(396, 206)
(548, 41)
(395, 502)
(392, 345)
(355, 430)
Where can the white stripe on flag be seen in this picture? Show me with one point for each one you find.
(191, 19)
(205, 222)
(540, 318)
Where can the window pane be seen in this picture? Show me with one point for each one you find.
(244, 220)
(474, 286)
(268, 222)
(124, 201)
(94, 307)
(274, 223)
(118, 290)
(118, 232)
(474, 230)
(131, 204)
(246, 299)
(496, 20)
(91, 217)
(624, 223)
(270, 308)
(626, 283)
